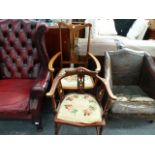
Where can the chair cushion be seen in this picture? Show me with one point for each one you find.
(132, 100)
(70, 82)
(80, 108)
(14, 95)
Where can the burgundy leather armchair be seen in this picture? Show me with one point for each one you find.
(24, 74)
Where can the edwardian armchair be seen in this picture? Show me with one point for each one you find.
(71, 58)
(81, 107)
(23, 70)
(131, 76)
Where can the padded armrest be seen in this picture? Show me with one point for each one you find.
(147, 81)
(41, 84)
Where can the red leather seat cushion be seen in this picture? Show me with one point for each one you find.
(15, 95)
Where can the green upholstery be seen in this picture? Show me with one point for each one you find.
(131, 99)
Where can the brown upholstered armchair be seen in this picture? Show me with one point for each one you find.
(131, 75)
(23, 70)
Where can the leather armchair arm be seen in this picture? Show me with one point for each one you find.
(42, 82)
(147, 81)
(41, 85)
(151, 65)
(52, 60)
(38, 90)
(98, 65)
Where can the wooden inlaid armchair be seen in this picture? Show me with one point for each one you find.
(71, 58)
(24, 75)
(83, 107)
(131, 76)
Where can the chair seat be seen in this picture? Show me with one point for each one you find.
(132, 100)
(70, 82)
(80, 108)
(15, 95)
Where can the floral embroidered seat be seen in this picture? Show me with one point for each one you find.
(81, 107)
(70, 82)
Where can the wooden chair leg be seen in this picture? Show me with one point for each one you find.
(99, 130)
(57, 128)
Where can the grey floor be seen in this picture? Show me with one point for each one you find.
(115, 126)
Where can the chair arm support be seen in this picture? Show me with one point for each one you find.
(54, 86)
(107, 70)
(98, 65)
(52, 60)
(108, 89)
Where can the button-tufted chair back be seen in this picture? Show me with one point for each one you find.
(19, 51)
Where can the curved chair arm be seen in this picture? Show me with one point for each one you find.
(52, 60)
(98, 65)
(109, 91)
(54, 86)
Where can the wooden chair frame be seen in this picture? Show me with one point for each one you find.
(74, 59)
(101, 92)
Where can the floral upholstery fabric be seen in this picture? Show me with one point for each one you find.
(132, 100)
(70, 82)
(81, 108)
